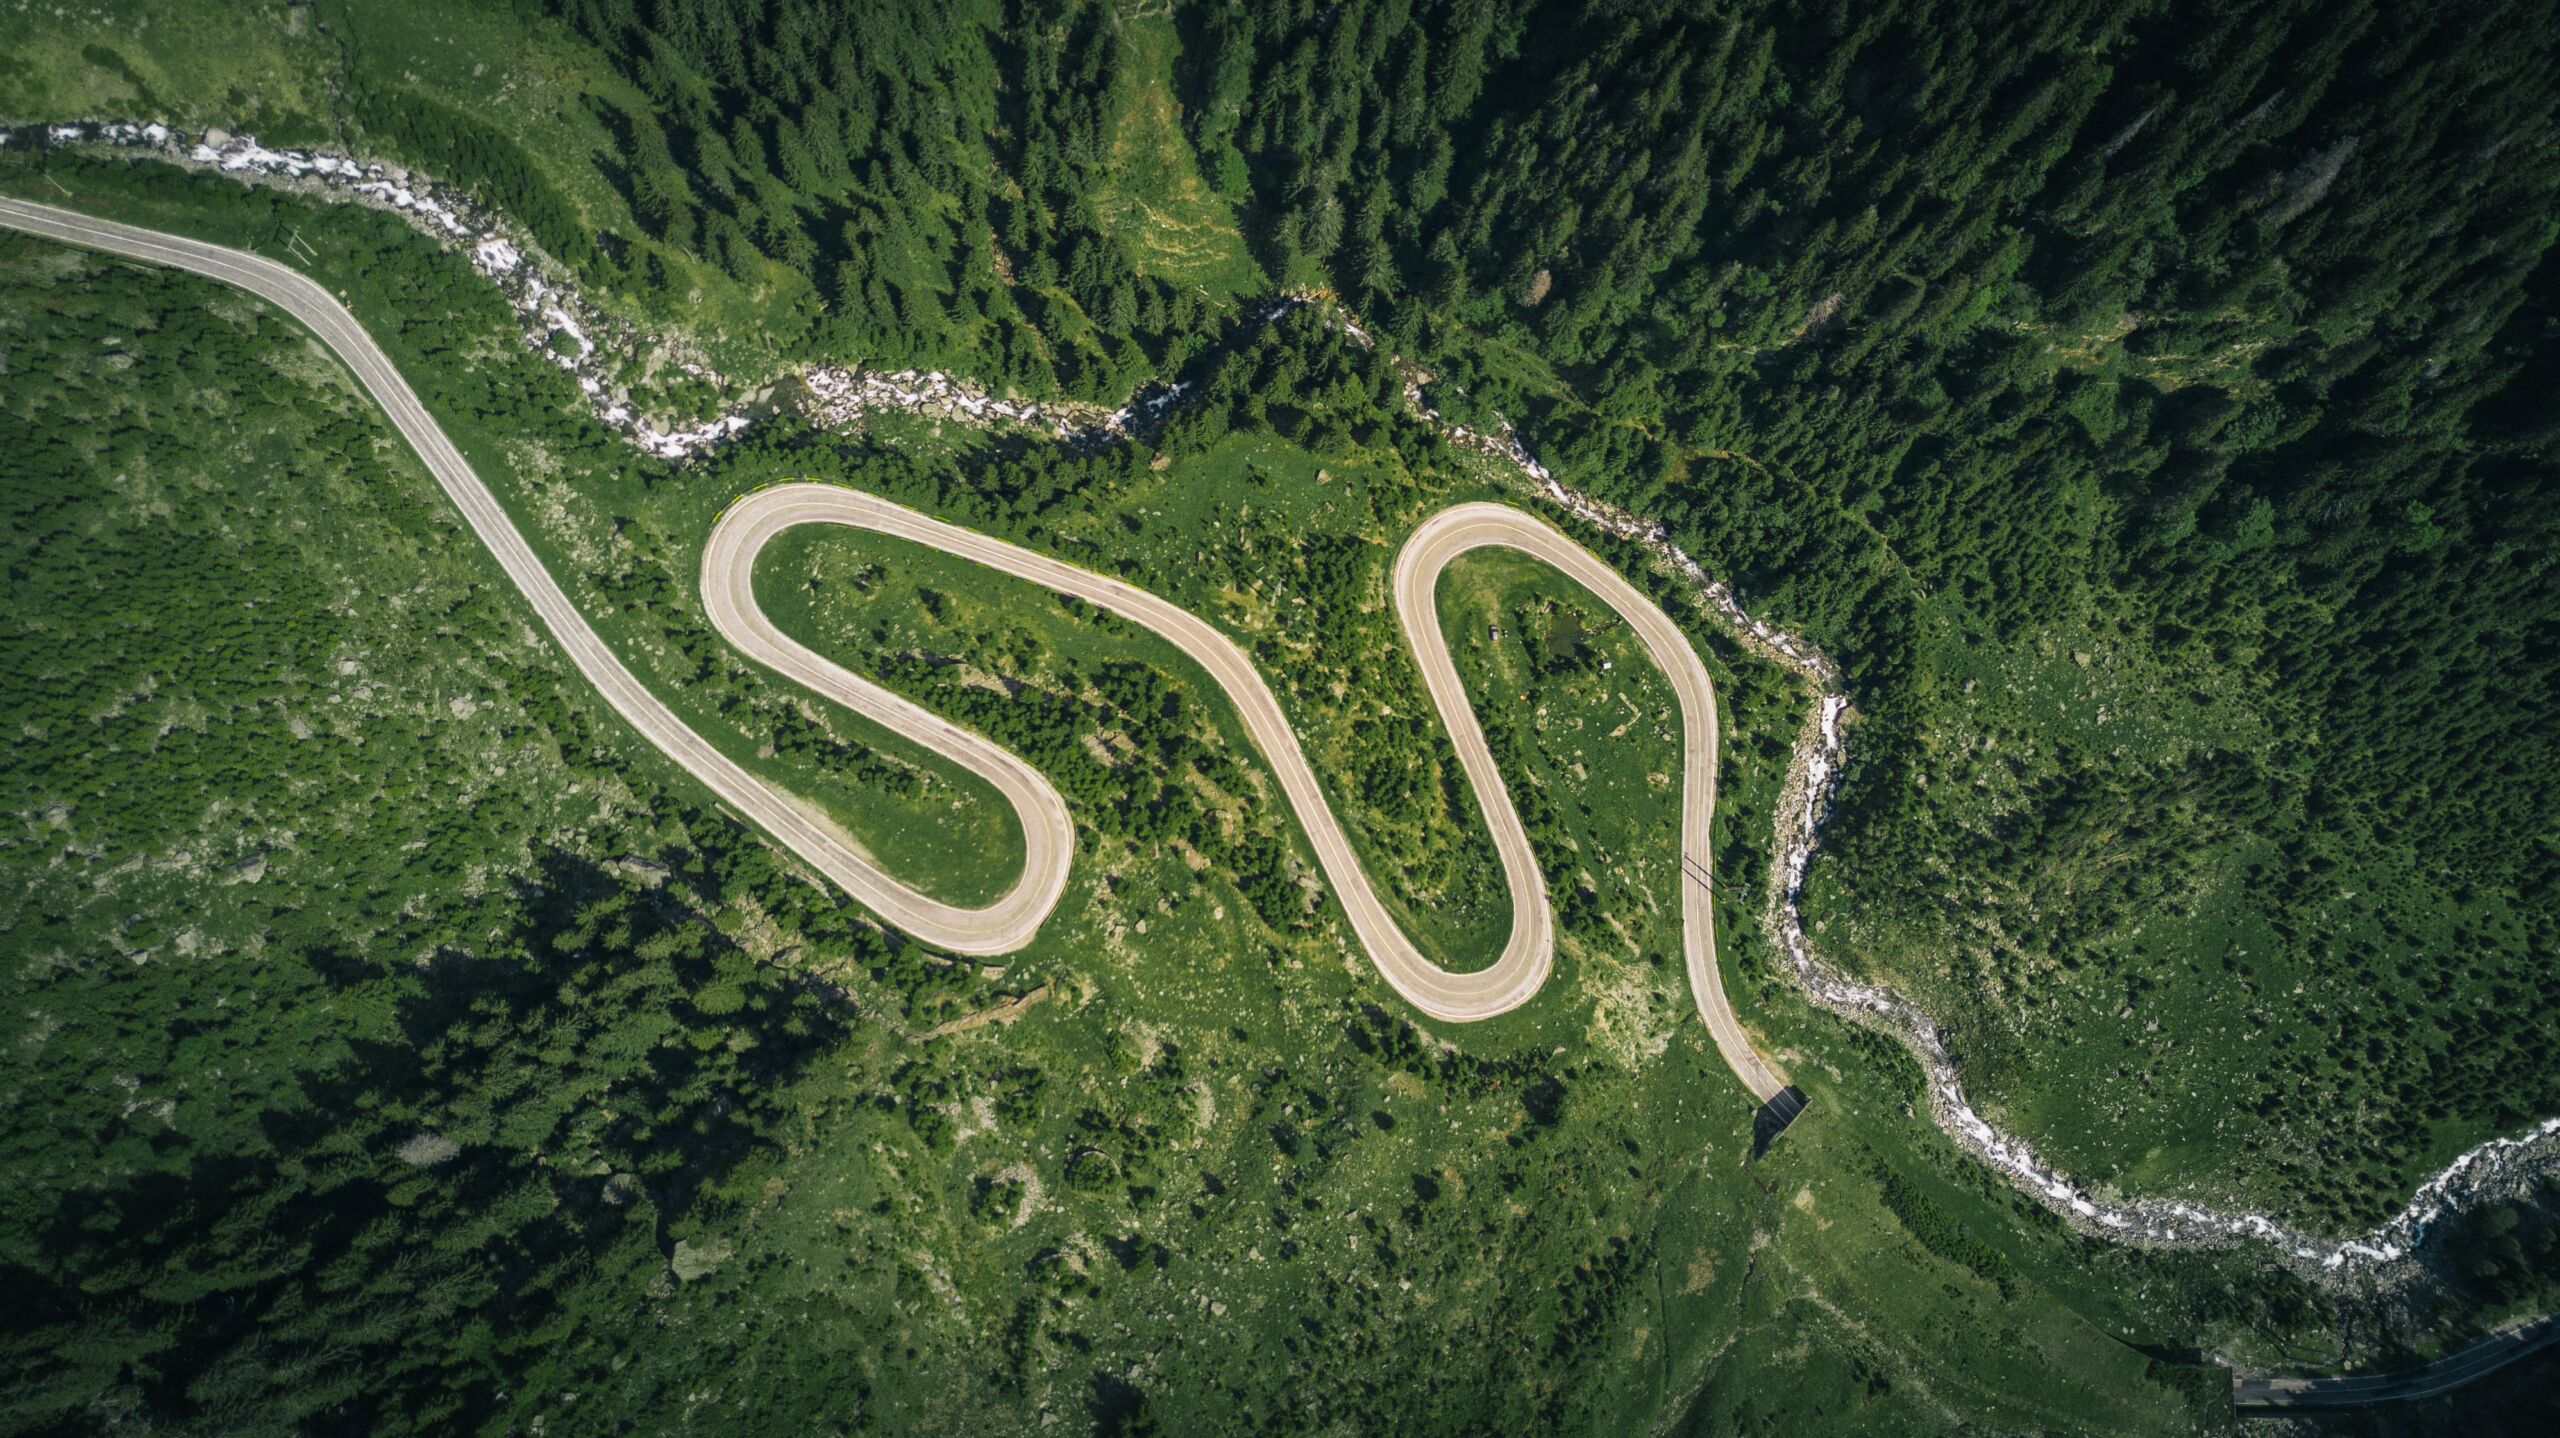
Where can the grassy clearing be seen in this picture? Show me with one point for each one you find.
(265, 68)
(1597, 712)
(1295, 567)
(633, 559)
(1153, 197)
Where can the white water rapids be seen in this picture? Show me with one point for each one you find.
(556, 322)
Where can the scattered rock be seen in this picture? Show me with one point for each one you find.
(693, 1260)
(639, 871)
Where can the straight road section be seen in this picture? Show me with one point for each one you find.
(2269, 1397)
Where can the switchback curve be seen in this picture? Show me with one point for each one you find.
(728, 564)
(1010, 922)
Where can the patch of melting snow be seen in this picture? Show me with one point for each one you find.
(840, 395)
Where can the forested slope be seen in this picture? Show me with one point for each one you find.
(446, 1066)
(365, 1019)
(2195, 343)
(940, 173)
(2150, 404)
(2214, 340)
(2152, 408)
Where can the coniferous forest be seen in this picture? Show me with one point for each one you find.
(2151, 406)
(1936, 332)
(2226, 326)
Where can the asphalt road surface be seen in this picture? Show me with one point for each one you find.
(2267, 1396)
(1009, 922)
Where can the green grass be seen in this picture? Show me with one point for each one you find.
(2128, 993)
(1230, 535)
(1607, 721)
(1611, 1242)
(1340, 667)
(1392, 1201)
(1858, 1328)
(264, 68)
(1153, 198)
(633, 559)
(290, 772)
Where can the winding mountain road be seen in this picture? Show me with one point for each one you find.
(2267, 1397)
(1004, 927)
(1010, 922)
